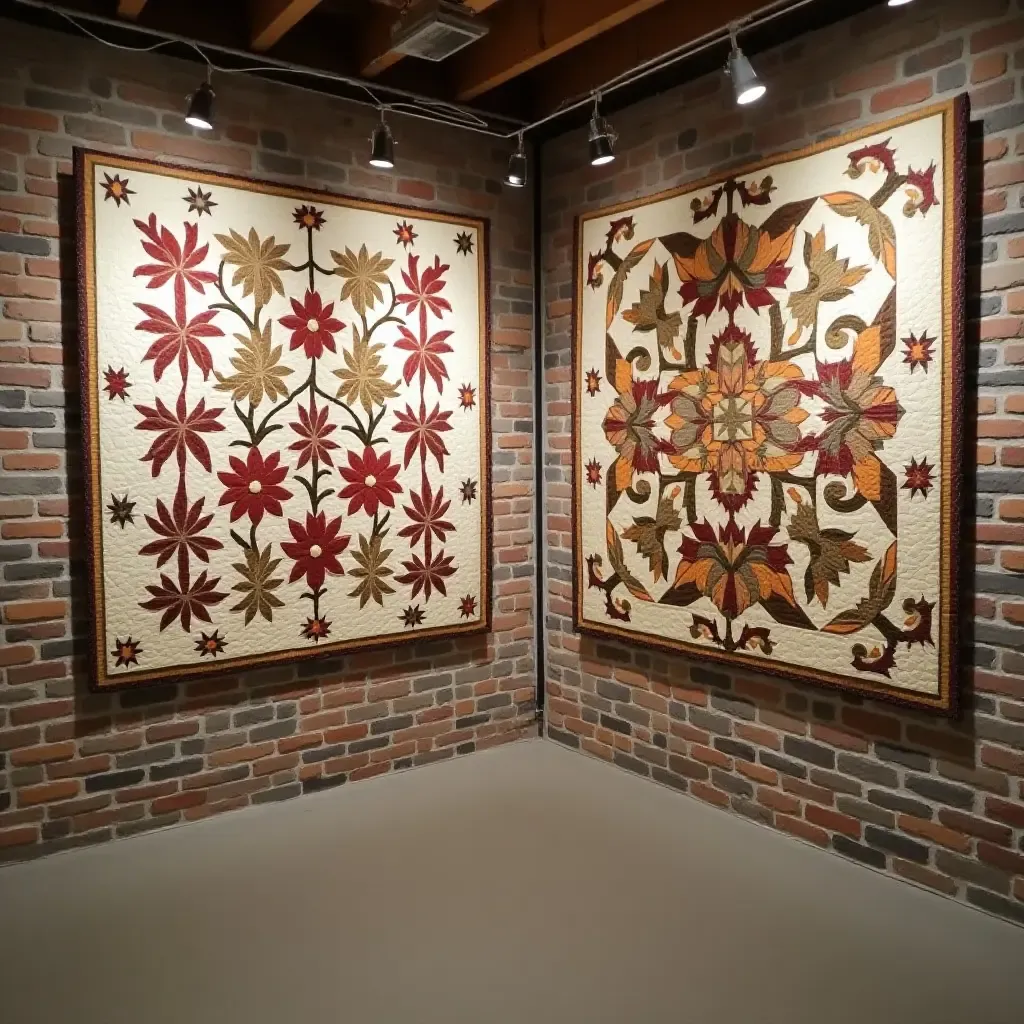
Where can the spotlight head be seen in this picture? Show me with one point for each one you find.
(200, 108)
(517, 166)
(898, 3)
(602, 140)
(382, 145)
(747, 86)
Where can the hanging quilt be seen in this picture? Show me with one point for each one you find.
(767, 413)
(286, 421)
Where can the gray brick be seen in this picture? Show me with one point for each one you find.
(941, 792)
(470, 721)
(836, 782)
(971, 871)
(688, 767)
(45, 99)
(900, 755)
(668, 779)
(253, 716)
(18, 484)
(652, 755)
(30, 245)
(33, 571)
(494, 700)
(733, 706)
(806, 750)
(865, 812)
(612, 691)
(898, 802)
(268, 796)
(638, 716)
(14, 552)
(1002, 118)
(1011, 909)
(893, 842)
(25, 419)
(176, 769)
(734, 748)
(631, 764)
(985, 632)
(134, 828)
(318, 754)
(848, 848)
(146, 755)
(366, 712)
(432, 682)
(731, 783)
(567, 739)
(273, 730)
(322, 782)
(950, 78)
(708, 720)
(782, 764)
(275, 163)
(113, 780)
(372, 743)
(392, 724)
(1000, 730)
(12, 399)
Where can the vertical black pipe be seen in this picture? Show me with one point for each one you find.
(540, 546)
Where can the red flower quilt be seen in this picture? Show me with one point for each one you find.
(286, 420)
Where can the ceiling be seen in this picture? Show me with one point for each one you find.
(537, 57)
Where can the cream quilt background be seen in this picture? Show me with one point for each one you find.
(287, 417)
(765, 372)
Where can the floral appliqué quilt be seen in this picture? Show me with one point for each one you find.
(286, 421)
(767, 411)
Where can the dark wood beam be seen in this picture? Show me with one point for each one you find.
(269, 20)
(376, 54)
(641, 39)
(526, 34)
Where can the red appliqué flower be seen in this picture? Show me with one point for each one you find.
(426, 516)
(424, 289)
(593, 382)
(172, 259)
(254, 486)
(178, 338)
(467, 606)
(426, 356)
(315, 549)
(312, 325)
(117, 385)
(424, 432)
(178, 432)
(918, 351)
(371, 481)
(126, 651)
(593, 472)
(405, 234)
(427, 576)
(467, 397)
(313, 430)
(179, 531)
(919, 477)
(184, 601)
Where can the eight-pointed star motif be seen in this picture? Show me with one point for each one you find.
(199, 202)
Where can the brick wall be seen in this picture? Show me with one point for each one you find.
(940, 804)
(79, 768)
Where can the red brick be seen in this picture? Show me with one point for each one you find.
(709, 794)
(1000, 857)
(988, 67)
(199, 150)
(916, 91)
(1001, 34)
(924, 876)
(870, 77)
(832, 820)
(803, 829)
(47, 793)
(43, 754)
(934, 833)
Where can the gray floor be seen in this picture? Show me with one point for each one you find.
(525, 884)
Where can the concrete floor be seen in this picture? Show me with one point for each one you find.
(525, 884)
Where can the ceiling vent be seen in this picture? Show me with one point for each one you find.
(434, 30)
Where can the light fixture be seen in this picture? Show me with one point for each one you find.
(745, 83)
(516, 176)
(602, 137)
(382, 145)
(200, 106)
(898, 3)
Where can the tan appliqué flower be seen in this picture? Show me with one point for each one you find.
(371, 572)
(257, 264)
(362, 376)
(258, 369)
(257, 584)
(364, 274)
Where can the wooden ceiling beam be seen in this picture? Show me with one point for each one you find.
(269, 20)
(641, 39)
(130, 8)
(376, 54)
(526, 34)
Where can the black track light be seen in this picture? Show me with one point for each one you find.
(382, 145)
(200, 107)
(601, 137)
(745, 83)
(517, 168)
